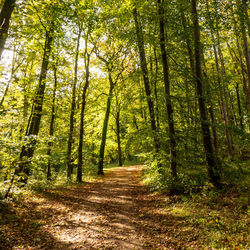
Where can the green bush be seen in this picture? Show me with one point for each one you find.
(158, 176)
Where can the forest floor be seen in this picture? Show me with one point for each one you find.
(114, 212)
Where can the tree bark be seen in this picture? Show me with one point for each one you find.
(239, 106)
(118, 135)
(242, 4)
(187, 39)
(5, 16)
(143, 62)
(156, 92)
(170, 111)
(242, 68)
(207, 142)
(52, 121)
(224, 105)
(72, 111)
(105, 126)
(192, 105)
(215, 139)
(36, 113)
(84, 93)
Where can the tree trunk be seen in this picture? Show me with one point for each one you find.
(242, 68)
(207, 142)
(167, 91)
(105, 126)
(13, 71)
(239, 106)
(211, 108)
(224, 105)
(192, 109)
(52, 121)
(72, 111)
(187, 39)
(236, 59)
(242, 4)
(84, 92)
(36, 113)
(118, 135)
(156, 92)
(143, 63)
(220, 69)
(215, 140)
(5, 16)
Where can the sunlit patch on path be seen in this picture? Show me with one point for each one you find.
(115, 212)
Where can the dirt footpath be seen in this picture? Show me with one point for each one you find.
(116, 212)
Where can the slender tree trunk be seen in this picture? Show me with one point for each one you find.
(25, 102)
(118, 135)
(4, 94)
(193, 114)
(210, 157)
(25, 91)
(245, 4)
(84, 92)
(13, 71)
(36, 113)
(153, 83)
(156, 92)
(52, 121)
(211, 108)
(220, 69)
(135, 123)
(239, 106)
(187, 39)
(105, 126)
(72, 111)
(242, 4)
(233, 114)
(5, 16)
(224, 105)
(225, 96)
(170, 111)
(236, 59)
(143, 63)
(244, 80)
(215, 139)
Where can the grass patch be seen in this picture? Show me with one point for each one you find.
(220, 221)
(219, 218)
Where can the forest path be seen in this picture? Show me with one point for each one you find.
(114, 212)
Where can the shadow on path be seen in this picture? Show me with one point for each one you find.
(116, 212)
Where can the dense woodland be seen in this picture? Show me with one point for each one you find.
(97, 95)
(86, 83)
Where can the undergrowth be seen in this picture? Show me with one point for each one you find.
(220, 217)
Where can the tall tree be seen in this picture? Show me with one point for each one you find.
(143, 64)
(111, 67)
(213, 170)
(105, 124)
(5, 16)
(73, 107)
(36, 112)
(169, 105)
(52, 121)
(244, 21)
(83, 104)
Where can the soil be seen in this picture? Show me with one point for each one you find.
(114, 212)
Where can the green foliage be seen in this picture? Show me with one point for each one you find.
(193, 179)
(217, 219)
(157, 175)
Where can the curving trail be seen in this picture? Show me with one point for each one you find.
(115, 212)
